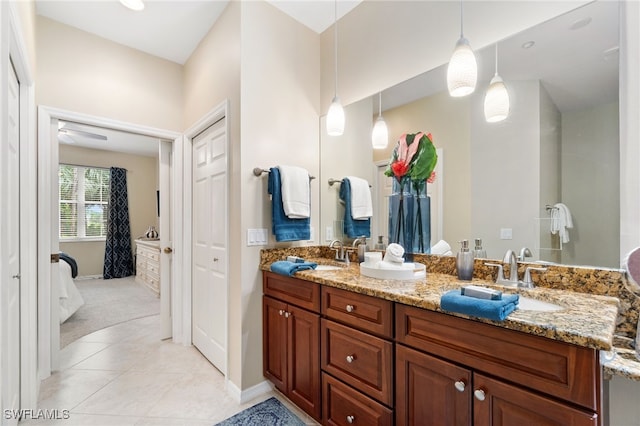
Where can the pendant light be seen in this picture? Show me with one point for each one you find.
(462, 72)
(380, 134)
(496, 100)
(335, 115)
(136, 5)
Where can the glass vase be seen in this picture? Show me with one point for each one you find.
(409, 216)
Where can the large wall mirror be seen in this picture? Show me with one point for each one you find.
(560, 144)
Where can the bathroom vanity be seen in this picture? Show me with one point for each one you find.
(349, 349)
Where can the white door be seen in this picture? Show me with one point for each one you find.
(10, 297)
(209, 268)
(166, 238)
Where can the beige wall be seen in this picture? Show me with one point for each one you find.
(81, 72)
(280, 102)
(211, 75)
(27, 17)
(590, 168)
(142, 178)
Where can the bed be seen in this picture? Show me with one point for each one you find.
(70, 297)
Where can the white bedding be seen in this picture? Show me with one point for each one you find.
(70, 297)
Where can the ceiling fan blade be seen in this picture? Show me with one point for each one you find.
(65, 138)
(82, 133)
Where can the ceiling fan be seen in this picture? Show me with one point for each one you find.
(66, 135)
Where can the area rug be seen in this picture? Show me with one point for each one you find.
(107, 303)
(267, 413)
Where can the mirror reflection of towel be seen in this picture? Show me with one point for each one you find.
(361, 204)
(561, 222)
(352, 228)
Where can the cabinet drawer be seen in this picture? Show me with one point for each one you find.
(367, 313)
(345, 406)
(153, 268)
(359, 359)
(567, 371)
(301, 293)
(149, 253)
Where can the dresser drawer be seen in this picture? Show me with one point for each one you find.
(149, 253)
(301, 293)
(563, 370)
(359, 359)
(345, 406)
(367, 313)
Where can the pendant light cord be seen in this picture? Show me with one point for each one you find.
(335, 47)
(496, 58)
(461, 21)
(380, 106)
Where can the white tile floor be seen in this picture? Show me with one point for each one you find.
(124, 375)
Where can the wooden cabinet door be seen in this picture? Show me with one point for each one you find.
(304, 360)
(430, 391)
(274, 342)
(502, 404)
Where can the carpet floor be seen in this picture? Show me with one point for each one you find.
(267, 413)
(106, 303)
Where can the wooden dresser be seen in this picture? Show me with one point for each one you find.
(148, 263)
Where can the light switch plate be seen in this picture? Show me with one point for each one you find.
(257, 237)
(506, 233)
(328, 233)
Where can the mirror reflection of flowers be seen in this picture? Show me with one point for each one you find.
(413, 160)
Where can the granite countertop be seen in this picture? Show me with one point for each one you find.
(591, 319)
(587, 320)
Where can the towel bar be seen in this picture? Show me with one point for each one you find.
(332, 181)
(258, 172)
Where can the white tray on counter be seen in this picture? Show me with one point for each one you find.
(418, 272)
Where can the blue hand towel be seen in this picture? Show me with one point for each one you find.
(284, 267)
(353, 228)
(284, 228)
(496, 310)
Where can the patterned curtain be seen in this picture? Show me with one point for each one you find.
(118, 258)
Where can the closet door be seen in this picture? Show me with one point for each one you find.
(209, 269)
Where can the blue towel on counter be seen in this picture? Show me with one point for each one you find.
(284, 267)
(496, 310)
(284, 228)
(352, 228)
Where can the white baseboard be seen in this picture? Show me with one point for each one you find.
(87, 277)
(242, 396)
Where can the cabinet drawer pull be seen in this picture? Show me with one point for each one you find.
(287, 314)
(350, 308)
(281, 312)
(460, 385)
(479, 394)
(350, 419)
(351, 358)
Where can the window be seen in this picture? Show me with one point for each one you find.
(83, 199)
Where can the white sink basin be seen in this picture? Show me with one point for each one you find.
(327, 268)
(529, 304)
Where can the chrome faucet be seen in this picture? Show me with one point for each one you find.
(510, 258)
(341, 254)
(358, 241)
(524, 253)
(527, 282)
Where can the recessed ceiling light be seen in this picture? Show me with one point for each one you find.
(528, 44)
(133, 4)
(580, 23)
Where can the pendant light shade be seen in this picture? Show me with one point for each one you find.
(496, 100)
(462, 72)
(335, 115)
(136, 5)
(335, 118)
(380, 133)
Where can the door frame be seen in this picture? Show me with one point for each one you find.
(13, 48)
(215, 114)
(47, 164)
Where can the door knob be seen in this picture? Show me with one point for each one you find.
(16, 276)
(168, 250)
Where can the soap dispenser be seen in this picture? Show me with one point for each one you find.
(464, 262)
(478, 251)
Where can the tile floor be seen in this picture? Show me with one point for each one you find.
(124, 375)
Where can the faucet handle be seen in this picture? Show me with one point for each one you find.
(500, 270)
(527, 282)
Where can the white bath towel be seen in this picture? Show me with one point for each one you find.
(361, 205)
(394, 253)
(561, 222)
(296, 194)
(442, 248)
